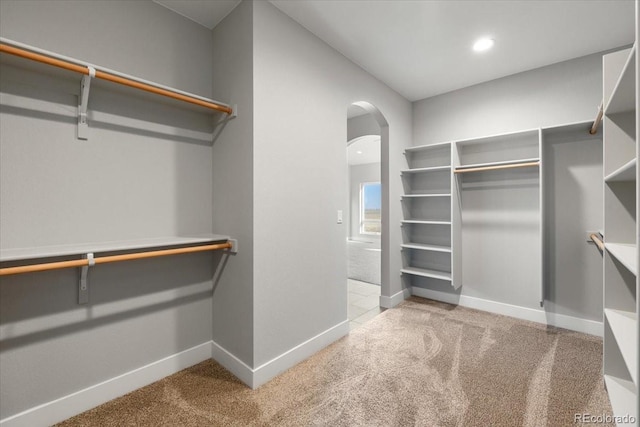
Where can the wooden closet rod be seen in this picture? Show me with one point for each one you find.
(113, 258)
(596, 122)
(597, 241)
(496, 167)
(50, 59)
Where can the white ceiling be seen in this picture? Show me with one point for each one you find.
(364, 149)
(422, 48)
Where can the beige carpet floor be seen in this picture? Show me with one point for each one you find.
(422, 363)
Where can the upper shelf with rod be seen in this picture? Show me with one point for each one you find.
(91, 71)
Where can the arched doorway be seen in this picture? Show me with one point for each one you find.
(368, 228)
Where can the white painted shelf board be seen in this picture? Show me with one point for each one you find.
(506, 162)
(582, 127)
(430, 169)
(626, 172)
(626, 253)
(426, 147)
(424, 247)
(483, 139)
(424, 272)
(421, 221)
(426, 195)
(84, 248)
(622, 395)
(623, 98)
(623, 325)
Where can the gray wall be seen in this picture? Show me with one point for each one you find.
(557, 94)
(358, 174)
(561, 93)
(233, 181)
(125, 182)
(302, 89)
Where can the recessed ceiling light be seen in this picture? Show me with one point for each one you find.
(483, 44)
(359, 152)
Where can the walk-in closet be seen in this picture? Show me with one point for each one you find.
(310, 212)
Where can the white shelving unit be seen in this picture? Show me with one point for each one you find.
(495, 176)
(621, 332)
(426, 205)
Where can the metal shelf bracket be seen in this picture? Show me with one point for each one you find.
(85, 86)
(83, 286)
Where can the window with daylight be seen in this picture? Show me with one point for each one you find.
(370, 208)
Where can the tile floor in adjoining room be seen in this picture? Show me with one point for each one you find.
(364, 302)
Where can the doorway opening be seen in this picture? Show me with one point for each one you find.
(366, 215)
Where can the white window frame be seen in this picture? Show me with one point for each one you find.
(368, 221)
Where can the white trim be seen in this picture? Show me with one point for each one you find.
(75, 403)
(237, 367)
(586, 326)
(393, 300)
(297, 354)
(254, 378)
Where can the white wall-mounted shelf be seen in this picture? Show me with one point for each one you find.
(424, 272)
(16, 254)
(627, 254)
(425, 247)
(626, 172)
(623, 98)
(417, 196)
(423, 170)
(501, 163)
(623, 325)
(427, 147)
(420, 221)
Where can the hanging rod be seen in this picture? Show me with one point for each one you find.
(113, 258)
(597, 241)
(596, 122)
(497, 167)
(29, 52)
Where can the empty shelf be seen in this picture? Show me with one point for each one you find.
(429, 169)
(627, 172)
(427, 147)
(622, 395)
(626, 254)
(424, 247)
(426, 195)
(424, 272)
(64, 250)
(623, 325)
(490, 164)
(420, 221)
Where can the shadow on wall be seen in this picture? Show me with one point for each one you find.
(118, 292)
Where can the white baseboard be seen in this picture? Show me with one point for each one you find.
(539, 316)
(75, 403)
(90, 397)
(297, 354)
(395, 299)
(231, 363)
(255, 377)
